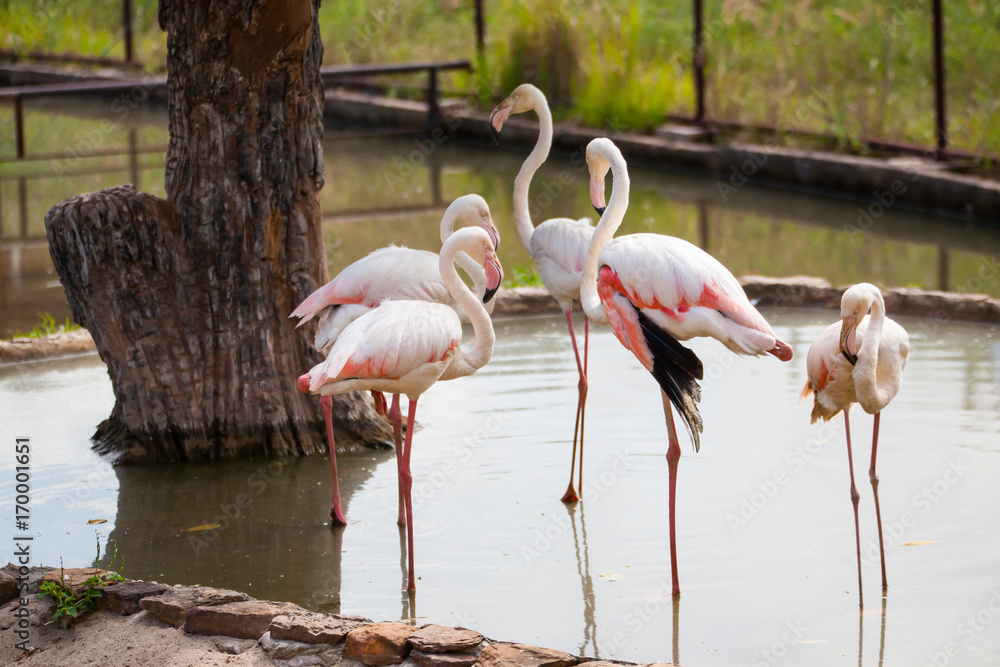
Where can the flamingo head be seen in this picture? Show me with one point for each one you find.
(521, 100)
(302, 384)
(854, 305)
(598, 164)
(478, 244)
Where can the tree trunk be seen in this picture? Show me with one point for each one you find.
(188, 298)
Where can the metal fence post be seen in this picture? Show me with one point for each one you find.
(127, 21)
(941, 121)
(699, 62)
(433, 111)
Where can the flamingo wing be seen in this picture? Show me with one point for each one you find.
(559, 247)
(390, 342)
(688, 292)
(394, 272)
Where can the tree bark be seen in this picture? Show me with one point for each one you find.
(188, 298)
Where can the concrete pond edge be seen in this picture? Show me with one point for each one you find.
(286, 633)
(771, 295)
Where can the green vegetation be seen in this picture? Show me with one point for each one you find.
(48, 326)
(848, 69)
(70, 602)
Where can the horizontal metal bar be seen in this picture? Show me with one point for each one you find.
(108, 152)
(14, 56)
(81, 87)
(332, 72)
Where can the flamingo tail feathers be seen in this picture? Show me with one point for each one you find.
(677, 369)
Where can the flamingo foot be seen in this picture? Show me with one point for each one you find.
(337, 516)
(570, 496)
(380, 404)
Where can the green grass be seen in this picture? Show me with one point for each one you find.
(849, 68)
(48, 325)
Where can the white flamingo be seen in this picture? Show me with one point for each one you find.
(858, 360)
(656, 290)
(558, 246)
(404, 347)
(392, 273)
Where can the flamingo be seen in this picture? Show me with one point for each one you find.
(870, 376)
(557, 246)
(404, 347)
(391, 273)
(657, 290)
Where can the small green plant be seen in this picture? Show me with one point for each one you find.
(48, 326)
(70, 602)
(526, 277)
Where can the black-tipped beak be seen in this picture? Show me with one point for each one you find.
(600, 210)
(845, 333)
(497, 118)
(494, 276)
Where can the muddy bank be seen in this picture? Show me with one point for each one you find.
(139, 622)
(770, 294)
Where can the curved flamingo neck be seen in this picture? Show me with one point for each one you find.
(871, 396)
(466, 363)
(606, 228)
(522, 215)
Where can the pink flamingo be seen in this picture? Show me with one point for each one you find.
(657, 290)
(558, 246)
(404, 347)
(871, 376)
(391, 273)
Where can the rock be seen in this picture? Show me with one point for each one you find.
(9, 587)
(75, 576)
(425, 659)
(379, 643)
(232, 646)
(52, 345)
(289, 653)
(522, 655)
(34, 575)
(524, 301)
(442, 639)
(245, 620)
(172, 606)
(123, 598)
(312, 628)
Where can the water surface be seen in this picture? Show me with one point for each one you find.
(765, 526)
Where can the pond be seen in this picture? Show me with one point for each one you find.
(765, 525)
(395, 187)
(765, 532)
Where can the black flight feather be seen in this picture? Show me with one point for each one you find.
(677, 369)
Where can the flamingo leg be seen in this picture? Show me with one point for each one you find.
(336, 512)
(397, 432)
(854, 500)
(571, 495)
(878, 513)
(673, 456)
(379, 399)
(407, 480)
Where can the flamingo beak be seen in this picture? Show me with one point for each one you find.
(494, 236)
(597, 195)
(846, 336)
(498, 117)
(494, 276)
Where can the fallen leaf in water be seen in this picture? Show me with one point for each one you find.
(204, 526)
(917, 544)
(610, 576)
(93, 521)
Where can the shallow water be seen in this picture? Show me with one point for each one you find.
(765, 527)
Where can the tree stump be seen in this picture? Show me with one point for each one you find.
(188, 298)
